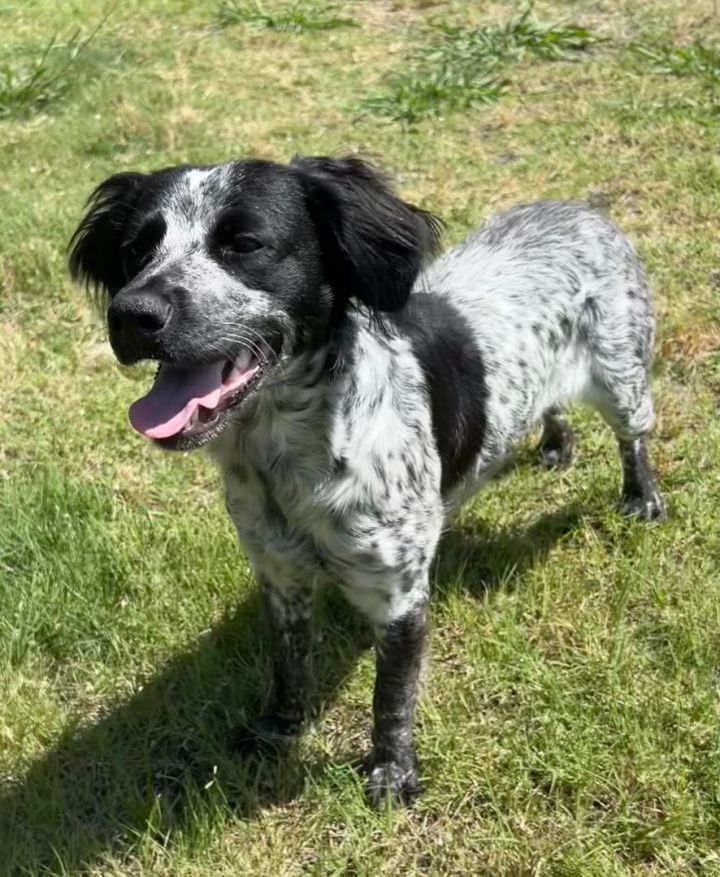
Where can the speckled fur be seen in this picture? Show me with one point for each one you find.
(561, 312)
(343, 467)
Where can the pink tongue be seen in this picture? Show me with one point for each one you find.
(175, 397)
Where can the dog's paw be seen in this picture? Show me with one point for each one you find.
(556, 458)
(646, 507)
(557, 451)
(265, 736)
(397, 781)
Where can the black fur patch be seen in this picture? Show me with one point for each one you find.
(373, 243)
(444, 344)
(96, 246)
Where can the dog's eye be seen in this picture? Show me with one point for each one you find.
(140, 256)
(136, 258)
(244, 243)
(139, 251)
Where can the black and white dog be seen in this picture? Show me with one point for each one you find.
(351, 399)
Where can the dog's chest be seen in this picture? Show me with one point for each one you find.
(279, 477)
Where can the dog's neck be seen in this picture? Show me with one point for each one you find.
(293, 409)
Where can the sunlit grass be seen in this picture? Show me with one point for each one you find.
(31, 80)
(465, 67)
(298, 16)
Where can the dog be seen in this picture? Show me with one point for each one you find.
(351, 392)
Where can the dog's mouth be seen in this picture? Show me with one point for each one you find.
(187, 406)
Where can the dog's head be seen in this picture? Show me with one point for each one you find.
(223, 273)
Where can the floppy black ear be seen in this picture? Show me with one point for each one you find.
(373, 243)
(95, 254)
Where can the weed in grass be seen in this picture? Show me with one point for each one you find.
(520, 37)
(465, 67)
(699, 61)
(411, 97)
(28, 87)
(299, 16)
(695, 60)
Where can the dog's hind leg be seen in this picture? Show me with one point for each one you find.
(627, 407)
(557, 441)
(640, 495)
(621, 392)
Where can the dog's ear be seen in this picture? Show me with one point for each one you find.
(95, 247)
(373, 243)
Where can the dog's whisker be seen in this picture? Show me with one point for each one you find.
(227, 348)
(265, 345)
(262, 349)
(231, 340)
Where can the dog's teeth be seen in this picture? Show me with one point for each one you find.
(243, 361)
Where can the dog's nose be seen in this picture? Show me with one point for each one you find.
(139, 312)
(140, 318)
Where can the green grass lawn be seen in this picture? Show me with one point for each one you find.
(571, 719)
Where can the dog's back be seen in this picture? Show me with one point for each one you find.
(560, 311)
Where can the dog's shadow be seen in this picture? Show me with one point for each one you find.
(156, 759)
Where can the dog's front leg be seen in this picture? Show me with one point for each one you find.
(289, 612)
(392, 766)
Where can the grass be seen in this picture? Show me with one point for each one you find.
(697, 60)
(520, 37)
(466, 66)
(32, 82)
(694, 60)
(429, 92)
(570, 723)
(298, 16)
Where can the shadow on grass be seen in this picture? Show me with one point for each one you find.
(479, 558)
(158, 760)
